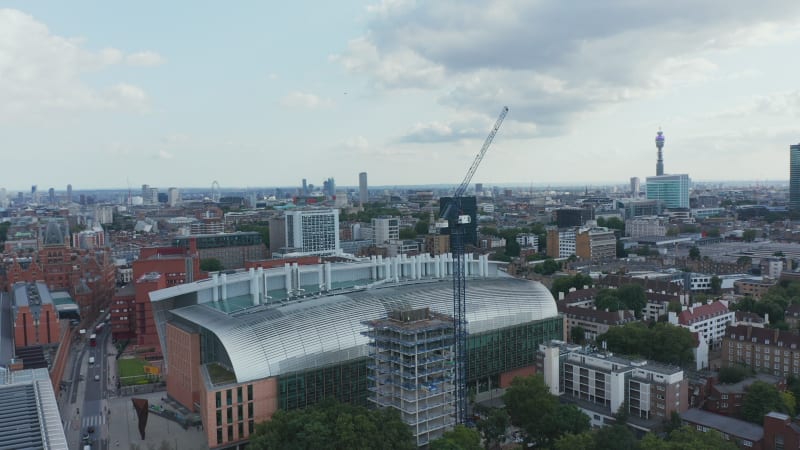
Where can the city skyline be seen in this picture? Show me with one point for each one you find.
(105, 97)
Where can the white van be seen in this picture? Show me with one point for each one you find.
(91, 360)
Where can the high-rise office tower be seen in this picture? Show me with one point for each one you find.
(794, 177)
(305, 187)
(478, 188)
(363, 193)
(635, 186)
(51, 196)
(69, 193)
(660, 147)
(672, 190)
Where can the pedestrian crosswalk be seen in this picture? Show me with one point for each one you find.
(94, 420)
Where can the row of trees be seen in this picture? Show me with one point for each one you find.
(627, 297)
(660, 341)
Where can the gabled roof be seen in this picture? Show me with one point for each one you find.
(703, 312)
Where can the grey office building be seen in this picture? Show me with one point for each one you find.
(363, 192)
(794, 177)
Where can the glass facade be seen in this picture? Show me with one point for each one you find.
(491, 353)
(221, 240)
(673, 190)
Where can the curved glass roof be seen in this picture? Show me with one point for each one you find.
(301, 335)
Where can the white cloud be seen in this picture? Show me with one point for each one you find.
(163, 154)
(356, 143)
(42, 72)
(146, 58)
(550, 62)
(305, 100)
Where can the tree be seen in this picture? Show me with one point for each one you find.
(564, 284)
(762, 398)
(694, 253)
(578, 335)
(686, 437)
(744, 261)
(618, 437)
(713, 232)
(260, 228)
(716, 285)
(633, 297)
(583, 441)
(407, 233)
(749, 235)
(493, 427)
(512, 247)
(332, 424)
(211, 265)
(615, 223)
(421, 227)
(459, 438)
(548, 267)
(733, 374)
(778, 254)
(661, 342)
(533, 408)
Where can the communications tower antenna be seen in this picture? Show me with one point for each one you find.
(453, 216)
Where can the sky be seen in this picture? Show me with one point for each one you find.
(115, 94)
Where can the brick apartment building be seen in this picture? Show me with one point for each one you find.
(233, 250)
(35, 316)
(763, 349)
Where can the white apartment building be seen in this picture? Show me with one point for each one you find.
(385, 230)
(566, 243)
(313, 231)
(173, 196)
(599, 383)
(709, 320)
(528, 240)
(646, 226)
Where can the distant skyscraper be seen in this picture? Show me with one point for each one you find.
(69, 193)
(305, 187)
(363, 192)
(660, 147)
(478, 188)
(173, 196)
(672, 190)
(794, 177)
(34, 195)
(329, 187)
(635, 186)
(51, 196)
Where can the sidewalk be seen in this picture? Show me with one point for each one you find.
(123, 427)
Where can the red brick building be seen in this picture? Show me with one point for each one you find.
(727, 399)
(35, 316)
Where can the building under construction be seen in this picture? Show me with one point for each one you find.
(412, 369)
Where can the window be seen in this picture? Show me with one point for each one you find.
(250, 392)
(219, 399)
(230, 432)
(239, 394)
(240, 411)
(229, 397)
(230, 415)
(219, 435)
(219, 417)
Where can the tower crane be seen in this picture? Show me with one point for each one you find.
(454, 216)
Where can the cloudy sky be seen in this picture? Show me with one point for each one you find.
(102, 94)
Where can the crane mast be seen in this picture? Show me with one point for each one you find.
(453, 213)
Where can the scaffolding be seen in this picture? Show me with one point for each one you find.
(411, 369)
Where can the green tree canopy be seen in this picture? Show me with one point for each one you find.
(694, 253)
(407, 233)
(533, 408)
(564, 284)
(577, 335)
(628, 297)
(512, 247)
(211, 265)
(762, 398)
(548, 267)
(459, 438)
(661, 342)
(332, 424)
(493, 427)
(421, 227)
(749, 235)
(687, 437)
(716, 285)
(744, 261)
(260, 228)
(734, 374)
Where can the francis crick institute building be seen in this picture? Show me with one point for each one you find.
(240, 346)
